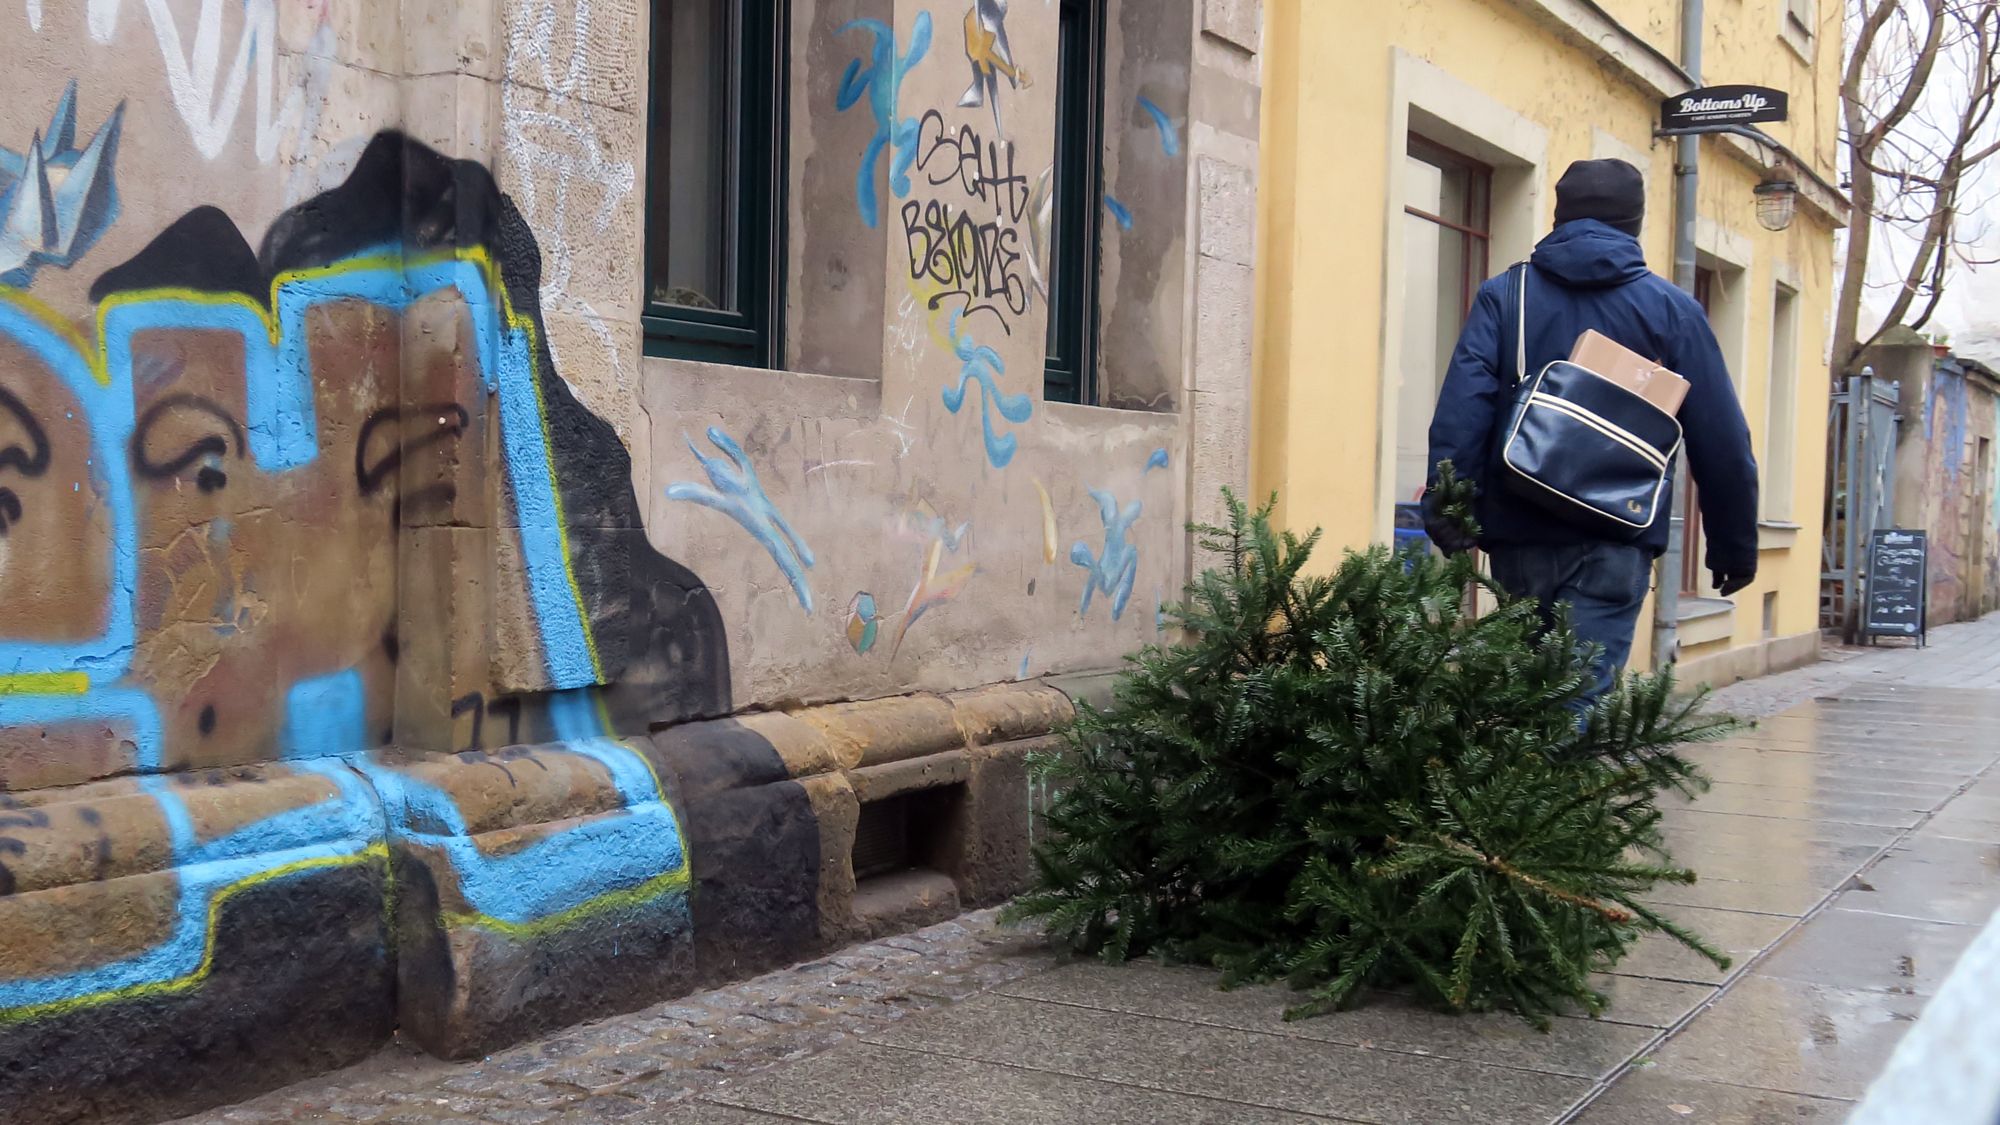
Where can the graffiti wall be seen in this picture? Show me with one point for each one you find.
(1957, 497)
(388, 642)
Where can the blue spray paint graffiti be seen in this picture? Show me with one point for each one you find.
(1157, 460)
(56, 200)
(1119, 212)
(1170, 140)
(882, 81)
(984, 365)
(739, 495)
(635, 847)
(1116, 567)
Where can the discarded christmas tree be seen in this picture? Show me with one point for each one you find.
(1349, 782)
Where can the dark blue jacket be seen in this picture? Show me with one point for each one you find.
(1589, 275)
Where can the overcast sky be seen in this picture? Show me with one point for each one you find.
(1970, 310)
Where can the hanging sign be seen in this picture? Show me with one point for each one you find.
(1724, 105)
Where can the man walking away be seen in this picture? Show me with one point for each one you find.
(1591, 273)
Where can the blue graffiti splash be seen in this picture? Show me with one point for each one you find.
(984, 365)
(56, 200)
(882, 81)
(1158, 459)
(324, 728)
(1948, 384)
(1116, 568)
(561, 871)
(1170, 138)
(1119, 211)
(324, 716)
(739, 495)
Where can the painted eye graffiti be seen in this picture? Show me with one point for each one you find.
(28, 455)
(388, 435)
(151, 459)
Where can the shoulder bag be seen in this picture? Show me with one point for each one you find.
(1583, 447)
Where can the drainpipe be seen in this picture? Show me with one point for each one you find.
(1687, 177)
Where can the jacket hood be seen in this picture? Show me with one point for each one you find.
(1588, 254)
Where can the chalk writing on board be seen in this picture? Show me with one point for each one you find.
(1897, 564)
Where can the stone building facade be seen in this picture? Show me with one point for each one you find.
(512, 509)
(1947, 483)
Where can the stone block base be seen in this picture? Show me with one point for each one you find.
(235, 945)
(171, 943)
(1765, 658)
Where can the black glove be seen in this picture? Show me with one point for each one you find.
(1447, 533)
(1731, 579)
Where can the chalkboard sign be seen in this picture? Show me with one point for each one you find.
(1898, 585)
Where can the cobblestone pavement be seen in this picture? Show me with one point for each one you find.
(631, 1067)
(1845, 865)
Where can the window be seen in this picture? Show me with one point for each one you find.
(1780, 409)
(1447, 219)
(1078, 185)
(714, 181)
(1799, 26)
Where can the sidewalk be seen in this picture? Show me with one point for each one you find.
(1849, 852)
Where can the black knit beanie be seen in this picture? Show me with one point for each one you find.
(1610, 191)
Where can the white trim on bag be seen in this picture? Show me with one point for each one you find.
(1601, 424)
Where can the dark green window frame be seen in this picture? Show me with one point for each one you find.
(750, 334)
(1071, 371)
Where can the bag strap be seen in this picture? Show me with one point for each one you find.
(1521, 328)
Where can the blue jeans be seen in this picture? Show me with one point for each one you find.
(1604, 585)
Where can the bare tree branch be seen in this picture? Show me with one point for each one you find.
(1914, 166)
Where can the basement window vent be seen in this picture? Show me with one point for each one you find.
(905, 832)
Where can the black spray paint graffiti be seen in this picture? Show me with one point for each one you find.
(26, 818)
(474, 704)
(385, 441)
(208, 449)
(30, 461)
(975, 262)
(983, 169)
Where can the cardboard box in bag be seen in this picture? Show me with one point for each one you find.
(1629, 369)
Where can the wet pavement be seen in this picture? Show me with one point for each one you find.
(1849, 856)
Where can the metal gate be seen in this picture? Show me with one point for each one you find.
(1861, 429)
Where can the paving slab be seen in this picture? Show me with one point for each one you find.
(872, 1084)
(1802, 1039)
(1791, 807)
(1736, 934)
(1790, 900)
(1818, 867)
(1274, 1071)
(1970, 817)
(1660, 1097)
(1647, 1001)
(1937, 878)
(1886, 797)
(1878, 952)
(1579, 1047)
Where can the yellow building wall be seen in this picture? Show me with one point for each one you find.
(1337, 81)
